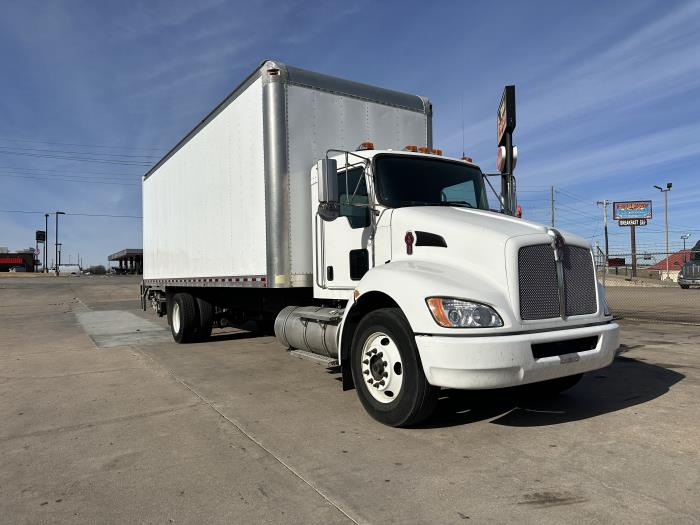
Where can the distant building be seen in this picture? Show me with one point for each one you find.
(130, 260)
(8, 260)
(675, 263)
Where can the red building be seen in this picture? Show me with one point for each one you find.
(8, 260)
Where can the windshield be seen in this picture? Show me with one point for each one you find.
(415, 181)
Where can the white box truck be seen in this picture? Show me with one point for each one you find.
(319, 207)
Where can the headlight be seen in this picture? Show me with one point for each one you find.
(457, 313)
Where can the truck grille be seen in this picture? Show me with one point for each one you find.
(537, 277)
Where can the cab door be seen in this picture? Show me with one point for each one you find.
(346, 246)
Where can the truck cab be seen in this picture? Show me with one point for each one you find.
(446, 291)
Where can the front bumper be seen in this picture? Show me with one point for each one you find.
(689, 282)
(468, 362)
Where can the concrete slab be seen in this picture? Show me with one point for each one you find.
(110, 328)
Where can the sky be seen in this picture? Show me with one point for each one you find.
(93, 92)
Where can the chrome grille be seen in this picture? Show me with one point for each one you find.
(537, 279)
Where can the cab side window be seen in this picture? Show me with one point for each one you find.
(353, 191)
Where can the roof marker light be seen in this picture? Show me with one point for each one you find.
(365, 146)
(414, 149)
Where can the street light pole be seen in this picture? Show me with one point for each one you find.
(56, 242)
(46, 240)
(685, 237)
(665, 192)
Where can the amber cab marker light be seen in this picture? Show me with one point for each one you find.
(365, 146)
(435, 305)
(414, 149)
(467, 159)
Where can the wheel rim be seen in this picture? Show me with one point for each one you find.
(382, 369)
(176, 318)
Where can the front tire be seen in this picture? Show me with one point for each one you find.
(387, 371)
(685, 286)
(184, 321)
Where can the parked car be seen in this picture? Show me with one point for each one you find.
(18, 269)
(689, 274)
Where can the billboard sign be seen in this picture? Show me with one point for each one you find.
(631, 210)
(505, 118)
(40, 236)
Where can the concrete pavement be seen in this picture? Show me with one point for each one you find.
(104, 423)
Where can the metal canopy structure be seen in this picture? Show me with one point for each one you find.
(130, 260)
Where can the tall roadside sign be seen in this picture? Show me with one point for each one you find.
(507, 153)
(632, 214)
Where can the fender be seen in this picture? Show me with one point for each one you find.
(407, 285)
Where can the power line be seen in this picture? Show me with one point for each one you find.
(160, 150)
(78, 214)
(80, 181)
(96, 173)
(76, 159)
(64, 152)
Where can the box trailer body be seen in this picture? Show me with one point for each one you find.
(318, 207)
(230, 205)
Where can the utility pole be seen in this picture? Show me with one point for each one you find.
(58, 261)
(685, 237)
(605, 203)
(551, 200)
(669, 185)
(46, 241)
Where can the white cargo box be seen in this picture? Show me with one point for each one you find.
(230, 204)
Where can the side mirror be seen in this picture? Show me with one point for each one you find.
(327, 170)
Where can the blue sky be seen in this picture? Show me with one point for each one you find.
(607, 96)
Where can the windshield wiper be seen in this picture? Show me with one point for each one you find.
(454, 203)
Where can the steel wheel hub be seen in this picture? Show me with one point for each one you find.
(176, 318)
(382, 369)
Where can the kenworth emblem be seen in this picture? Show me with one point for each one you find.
(558, 245)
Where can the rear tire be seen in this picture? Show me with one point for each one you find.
(685, 286)
(184, 321)
(205, 318)
(387, 370)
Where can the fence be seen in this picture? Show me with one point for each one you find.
(653, 290)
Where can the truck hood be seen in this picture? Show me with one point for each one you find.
(476, 240)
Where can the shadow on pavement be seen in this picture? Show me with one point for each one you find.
(625, 383)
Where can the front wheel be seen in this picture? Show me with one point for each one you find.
(387, 371)
(685, 286)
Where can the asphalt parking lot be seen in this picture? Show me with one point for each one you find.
(106, 420)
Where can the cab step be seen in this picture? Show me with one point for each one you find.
(328, 362)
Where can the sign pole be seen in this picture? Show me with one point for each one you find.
(633, 242)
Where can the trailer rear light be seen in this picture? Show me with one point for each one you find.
(365, 146)
(414, 149)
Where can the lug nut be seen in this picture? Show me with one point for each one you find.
(380, 354)
(384, 363)
(366, 372)
(381, 383)
(365, 362)
(386, 374)
(370, 380)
